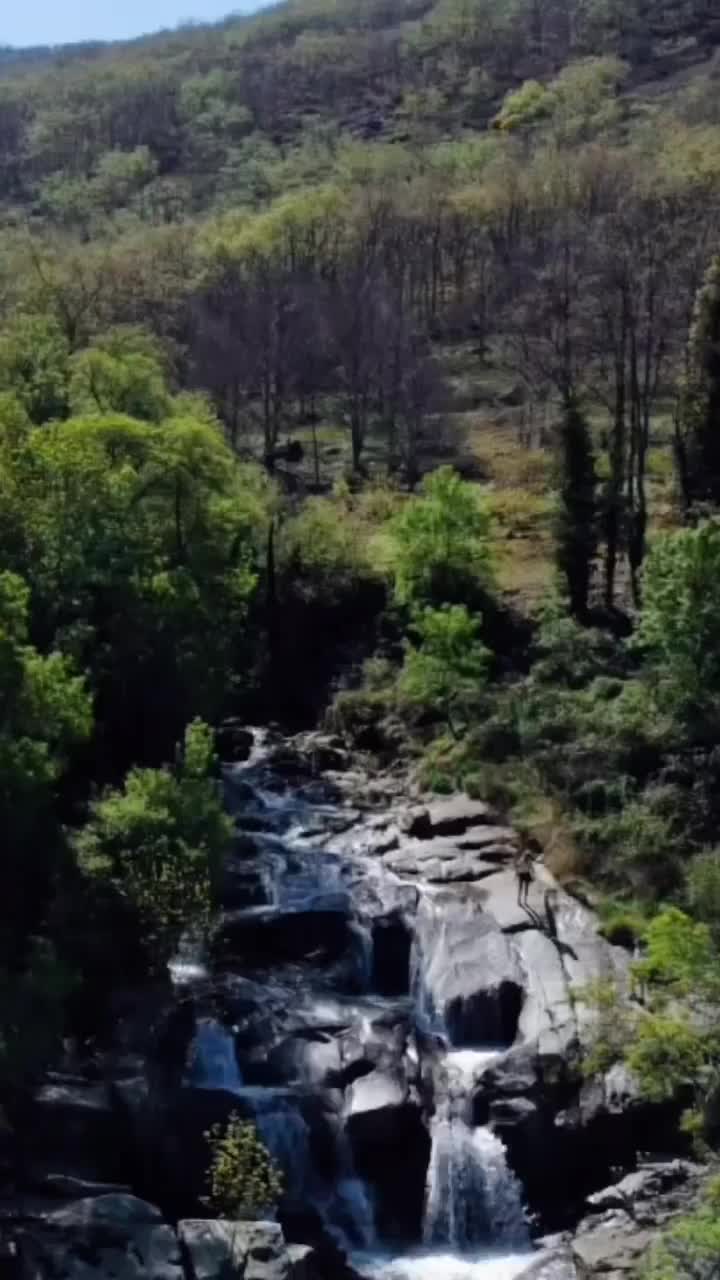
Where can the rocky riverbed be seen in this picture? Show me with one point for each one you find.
(405, 1035)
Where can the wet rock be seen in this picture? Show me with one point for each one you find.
(234, 741)
(275, 937)
(470, 975)
(391, 1150)
(391, 945)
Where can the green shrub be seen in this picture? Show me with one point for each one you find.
(448, 665)
(243, 1180)
(441, 538)
(161, 841)
(690, 1248)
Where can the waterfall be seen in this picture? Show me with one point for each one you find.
(472, 1198)
(345, 1206)
(285, 1132)
(213, 1063)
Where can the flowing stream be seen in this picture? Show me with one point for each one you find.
(473, 1223)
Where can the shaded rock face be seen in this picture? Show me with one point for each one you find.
(111, 1235)
(467, 974)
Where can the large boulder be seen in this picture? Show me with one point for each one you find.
(220, 1250)
(558, 1263)
(72, 1125)
(391, 1149)
(451, 816)
(470, 979)
(111, 1235)
(438, 861)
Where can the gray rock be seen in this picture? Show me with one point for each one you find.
(92, 1239)
(456, 814)
(377, 1091)
(438, 861)
(615, 1243)
(97, 1212)
(220, 1249)
(469, 974)
(498, 896)
(304, 1263)
(547, 1020)
(646, 1184)
(556, 1263)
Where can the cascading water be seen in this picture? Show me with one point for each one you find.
(213, 1061)
(473, 1200)
(474, 1226)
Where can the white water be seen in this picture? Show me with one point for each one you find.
(443, 1266)
(188, 964)
(472, 1198)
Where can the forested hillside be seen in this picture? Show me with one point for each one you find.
(359, 360)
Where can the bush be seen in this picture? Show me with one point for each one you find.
(323, 556)
(161, 841)
(690, 1248)
(441, 539)
(448, 666)
(680, 621)
(243, 1180)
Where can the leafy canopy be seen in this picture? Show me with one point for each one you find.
(442, 553)
(161, 841)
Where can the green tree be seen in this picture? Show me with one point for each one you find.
(34, 365)
(690, 1248)
(45, 713)
(576, 522)
(243, 1180)
(142, 545)
(680, 621)
(161, 841)
(119, 375)
(448, 666)
(697, 435)
(441, 541)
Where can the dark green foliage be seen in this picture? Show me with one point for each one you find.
(441, 540)
(161, 841)
(690, 1248)
(576, 522)
(446, 665)
(697, 439)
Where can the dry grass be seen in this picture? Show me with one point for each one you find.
(544, 820)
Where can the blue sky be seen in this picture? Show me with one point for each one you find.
(28, 22)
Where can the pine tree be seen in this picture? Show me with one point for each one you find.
(576, 524)
(697, 428)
